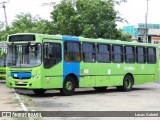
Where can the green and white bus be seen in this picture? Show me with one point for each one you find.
(3, 52)
(40, 62)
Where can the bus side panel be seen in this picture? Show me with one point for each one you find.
(52, 77)
(140, 73)
(101, 76)
(113, 74)
(89, 74)
(151, 72)
(116, 80)
(70, 67)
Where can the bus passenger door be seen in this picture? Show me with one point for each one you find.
(52, 62)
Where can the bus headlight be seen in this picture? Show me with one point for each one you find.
(36, 76)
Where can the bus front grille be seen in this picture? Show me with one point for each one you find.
(21, 84)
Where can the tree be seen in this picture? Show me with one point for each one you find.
(123, 36)
(25, 22)
(88, 18)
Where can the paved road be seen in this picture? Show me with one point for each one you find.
(8, 101)
(142, 97)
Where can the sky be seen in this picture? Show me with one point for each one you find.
(133, 11)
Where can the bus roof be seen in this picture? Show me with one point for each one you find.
(99, 40)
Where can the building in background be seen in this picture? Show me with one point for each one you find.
(139, 32)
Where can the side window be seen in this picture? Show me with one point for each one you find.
(103, 53)
(72, 51)
(52, 54)
(151, 55)
(141, 57)
(117, 53)
(88, 51)
(129, 54)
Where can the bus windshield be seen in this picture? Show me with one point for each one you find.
(2, 57)
(24, 55)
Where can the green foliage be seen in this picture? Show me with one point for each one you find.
(26, 23)
(87, 18)
(123, 36)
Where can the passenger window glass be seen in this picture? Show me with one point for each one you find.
(117, 53)
(103, 53)
(52, 54)
(141, 57)
(151, 56)
(88, 50)
(129, 54)
(72, 51)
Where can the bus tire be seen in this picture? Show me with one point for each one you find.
(127, 83)
(100, 88)
(68, 86)
(39, 91)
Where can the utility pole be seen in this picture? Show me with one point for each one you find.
(146, 27)
(4, 8)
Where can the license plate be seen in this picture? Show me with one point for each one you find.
(20, 82)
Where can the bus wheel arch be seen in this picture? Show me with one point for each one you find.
(131, 76)
(69, 85)
(75, 79)
(128, 82)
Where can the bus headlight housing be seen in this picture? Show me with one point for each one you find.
(36, 77)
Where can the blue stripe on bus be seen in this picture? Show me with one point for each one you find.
(70, 67)
(21, 75)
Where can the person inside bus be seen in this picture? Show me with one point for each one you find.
(67, 57)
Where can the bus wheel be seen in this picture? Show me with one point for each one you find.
(100, 88)
(39, 91)
(68, 86)
(127, 83)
